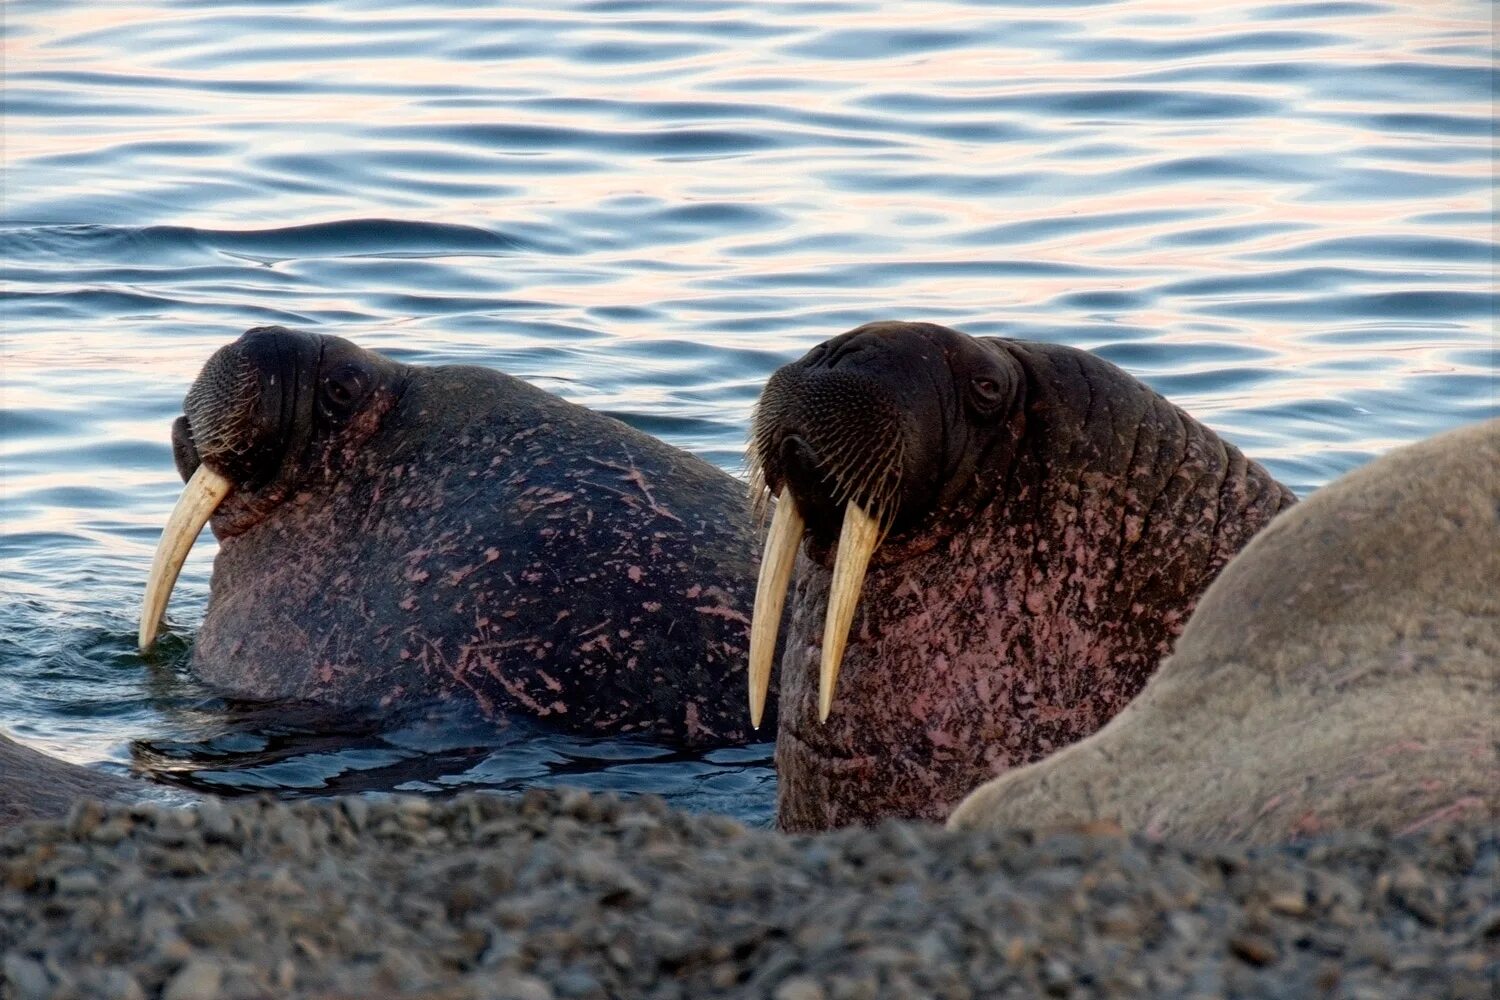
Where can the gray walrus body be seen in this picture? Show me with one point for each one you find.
(35, 786)
(1343, 671)
(392, 532)
(1049, 522)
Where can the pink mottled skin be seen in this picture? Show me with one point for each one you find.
(1341, 673)
(1018, 617)
(466, 536)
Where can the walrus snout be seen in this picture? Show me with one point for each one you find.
(237, 418)
(832, 437)
(804, 471)
(831, 445)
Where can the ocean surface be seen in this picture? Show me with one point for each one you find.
(1280, 214)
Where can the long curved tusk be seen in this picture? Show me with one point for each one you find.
(770, 594)
(202, 494)
(857, 540)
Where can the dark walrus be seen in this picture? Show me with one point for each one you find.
(1037, 525)
(394, 532)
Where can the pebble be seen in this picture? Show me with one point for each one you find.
(1253, 948)
(574, 896)
(199, 979)
(105, 984)
(71, 882)
(525, 988)
(800, 988)
(215, 821)
(25, 979)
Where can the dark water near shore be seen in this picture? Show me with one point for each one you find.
(1278, 213)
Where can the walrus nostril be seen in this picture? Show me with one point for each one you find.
(798, 460)
(184, 451)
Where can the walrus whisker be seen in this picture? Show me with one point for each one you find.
(200, 497)
(770, 594)
(867, 487)
(869, 491)
(849, 485)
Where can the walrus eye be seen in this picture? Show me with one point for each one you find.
(987, 393)
(342, 389)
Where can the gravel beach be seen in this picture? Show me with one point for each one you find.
(572, 895)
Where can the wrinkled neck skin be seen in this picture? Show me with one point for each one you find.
(489, 542)
(1022, 619)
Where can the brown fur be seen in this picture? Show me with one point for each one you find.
(1341, 673)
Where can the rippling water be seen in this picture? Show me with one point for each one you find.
(1278, 213)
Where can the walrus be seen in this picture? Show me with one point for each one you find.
(1030, 528)
(1342, 672)
(391, 532)
(36, 786)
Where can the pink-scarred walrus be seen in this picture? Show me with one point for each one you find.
(1342, 672)
(1038, 525)
(392, 533)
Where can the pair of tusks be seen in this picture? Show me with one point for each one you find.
(858, 538)
(202, 494)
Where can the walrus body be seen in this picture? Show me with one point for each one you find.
(1049, 524)
(1341, 673)
(395, 532)
(35, 786)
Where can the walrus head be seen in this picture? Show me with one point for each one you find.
(993, 541)
(267, 413)
(876, 433)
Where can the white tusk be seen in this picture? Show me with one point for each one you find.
(857, 540)
(770, 594)
(202, 494)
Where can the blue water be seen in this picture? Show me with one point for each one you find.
(1278, 213)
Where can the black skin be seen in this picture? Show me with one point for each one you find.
(401, 533)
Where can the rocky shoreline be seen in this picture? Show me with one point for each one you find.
(572, 895)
